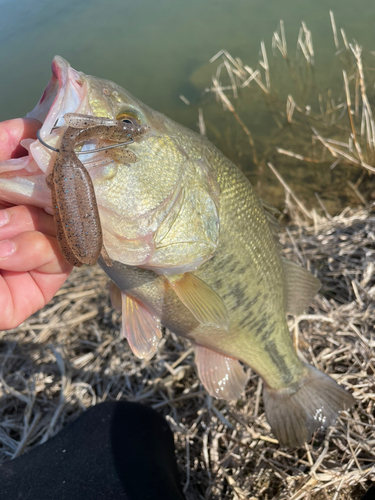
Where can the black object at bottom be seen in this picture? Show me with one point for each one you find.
(113, 451)
(370, 495)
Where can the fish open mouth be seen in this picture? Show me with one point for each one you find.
(63, 94)
(66, 92)
(22, 180)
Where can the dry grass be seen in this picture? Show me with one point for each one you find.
(71, 356)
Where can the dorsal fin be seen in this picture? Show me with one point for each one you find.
(301, 286)
(270, 208)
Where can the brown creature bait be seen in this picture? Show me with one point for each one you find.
(74, 204)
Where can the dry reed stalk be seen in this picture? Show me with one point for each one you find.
(254, 75)
(279, 41)
(334, 29)
(297, 156)
(287, 188)
(356, 145)
(201, 124)
(338, 153)
(305, 43)
(349, 108)
(229, 106)
(235, 62)
(369, 120)
(265, 66)
(184, 100)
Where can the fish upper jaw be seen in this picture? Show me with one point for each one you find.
(66, 92)
(22, 180)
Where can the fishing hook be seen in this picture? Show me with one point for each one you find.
(84, 152)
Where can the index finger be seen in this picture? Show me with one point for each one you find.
(12, 132)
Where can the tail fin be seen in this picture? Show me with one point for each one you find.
(295, 413)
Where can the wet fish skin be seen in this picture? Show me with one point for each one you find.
(186, 232)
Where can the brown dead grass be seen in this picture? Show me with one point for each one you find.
(71, 356)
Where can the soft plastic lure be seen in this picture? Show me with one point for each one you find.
(76, 213)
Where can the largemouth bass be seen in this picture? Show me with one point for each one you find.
(191, 247)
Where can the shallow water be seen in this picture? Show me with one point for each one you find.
(157, 49)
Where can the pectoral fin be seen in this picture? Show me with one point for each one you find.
(301, 286)
(201, 300)
(222, 377)
(141, 329)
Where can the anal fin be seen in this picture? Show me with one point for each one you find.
(221, 376)
(201, 300)
(141, 329)
(301, 286)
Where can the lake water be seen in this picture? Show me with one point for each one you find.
(157, 49)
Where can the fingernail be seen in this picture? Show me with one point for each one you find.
(4, 217)
(7, 248)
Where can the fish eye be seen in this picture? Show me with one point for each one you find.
(127, 117)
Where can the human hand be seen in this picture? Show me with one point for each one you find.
(32, 268)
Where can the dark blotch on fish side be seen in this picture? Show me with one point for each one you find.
(247, 320)
(218, 284)
(261, 329)
(239, 293)
(278, 359)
